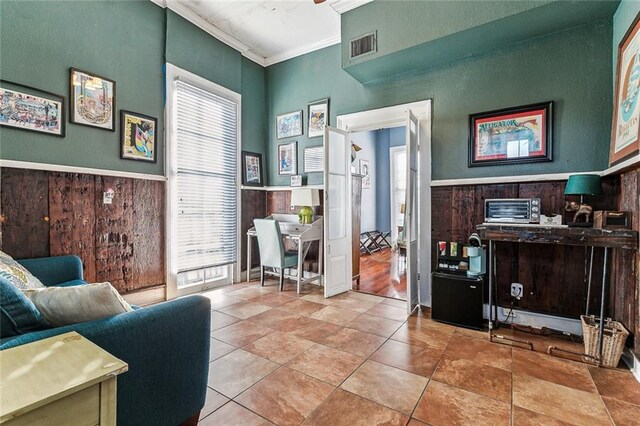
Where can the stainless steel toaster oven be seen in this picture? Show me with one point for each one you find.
(512, 210)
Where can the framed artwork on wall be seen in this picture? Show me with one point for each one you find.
(27, 108)
(366, 175)
(92, 100)
(313, 159)
(289, 125)
(296, 180)
(511, 136)
(317, 118)
(251, 169)
(288, 158)
(625, 131)
(137, 136)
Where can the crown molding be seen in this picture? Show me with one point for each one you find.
(342, 6)
(181, 9)
(292, 53)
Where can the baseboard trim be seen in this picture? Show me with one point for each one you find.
(533, 319)
(147, 296)
(630, 359)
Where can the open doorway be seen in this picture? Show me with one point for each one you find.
(379, 173)
(416, 117)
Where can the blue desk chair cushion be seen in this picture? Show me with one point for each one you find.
(271, 246)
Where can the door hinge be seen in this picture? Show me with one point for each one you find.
(418, 276)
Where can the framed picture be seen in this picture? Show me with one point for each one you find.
(313, 159)
(251, 169)
(511, 136)
(137, 136)
(288, 158)
(289, 125)
(317, 117)
(365, 172)
(625, 131)
(27, 108)
(296, 180)
(92, 100)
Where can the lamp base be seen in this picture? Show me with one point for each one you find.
(305, 214)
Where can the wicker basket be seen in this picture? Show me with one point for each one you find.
(615, 336)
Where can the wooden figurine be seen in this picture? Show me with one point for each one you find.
(580, 209)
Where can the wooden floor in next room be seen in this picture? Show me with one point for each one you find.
(383, 273)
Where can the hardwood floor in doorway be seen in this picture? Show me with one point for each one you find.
(383, 273)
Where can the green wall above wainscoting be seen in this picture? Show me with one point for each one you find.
(123, 41)
(415, 35)
(126, 41)
(572, 68)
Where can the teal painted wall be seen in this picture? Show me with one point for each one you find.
(404, 24)
(254, 108)
(622, 20)
(572, 67)
(123, 41)
(191, 48)
(127, 42)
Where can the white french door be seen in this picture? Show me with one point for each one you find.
(337, 212)
(411, 212)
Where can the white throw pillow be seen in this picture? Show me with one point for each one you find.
(17, 274)
(75, 304)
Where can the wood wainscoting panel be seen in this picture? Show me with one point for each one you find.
(253, 206)
(114, 232)
(625, 264)
(148, 234)
(25, 213)
(72, 218)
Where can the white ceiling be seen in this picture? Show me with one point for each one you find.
(267, 31)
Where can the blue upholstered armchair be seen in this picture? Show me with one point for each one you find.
(165, 345)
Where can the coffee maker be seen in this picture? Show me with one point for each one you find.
(477, 257)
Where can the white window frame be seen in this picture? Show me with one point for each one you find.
(173, 73)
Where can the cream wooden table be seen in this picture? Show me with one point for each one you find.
(63, 380)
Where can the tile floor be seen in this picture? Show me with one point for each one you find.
(356, 359)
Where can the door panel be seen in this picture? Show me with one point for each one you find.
(411, 212)
(337, 207)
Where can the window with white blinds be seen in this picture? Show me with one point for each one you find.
(206, 129)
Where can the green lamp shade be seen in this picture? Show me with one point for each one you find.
(583, 185)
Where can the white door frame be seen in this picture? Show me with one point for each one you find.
(396, 116)
(173, 73)
(394, 150)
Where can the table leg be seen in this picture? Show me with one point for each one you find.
(604, 288)
(320, 260)
(586, 311)
(248, 258)
(300, 263)
(491, 283)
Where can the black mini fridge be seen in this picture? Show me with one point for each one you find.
(457, 299)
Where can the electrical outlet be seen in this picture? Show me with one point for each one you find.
(505, 312)
(517, 290)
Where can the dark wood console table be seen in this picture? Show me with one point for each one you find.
(586, 237)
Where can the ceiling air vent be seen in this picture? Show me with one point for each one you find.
(363, 45)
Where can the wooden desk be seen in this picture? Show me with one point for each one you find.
(587, 237)
(303, 234)
(63, 380)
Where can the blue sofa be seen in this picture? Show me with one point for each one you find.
(166, 346)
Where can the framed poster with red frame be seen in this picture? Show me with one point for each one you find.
(625, 131)
(511, 136)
